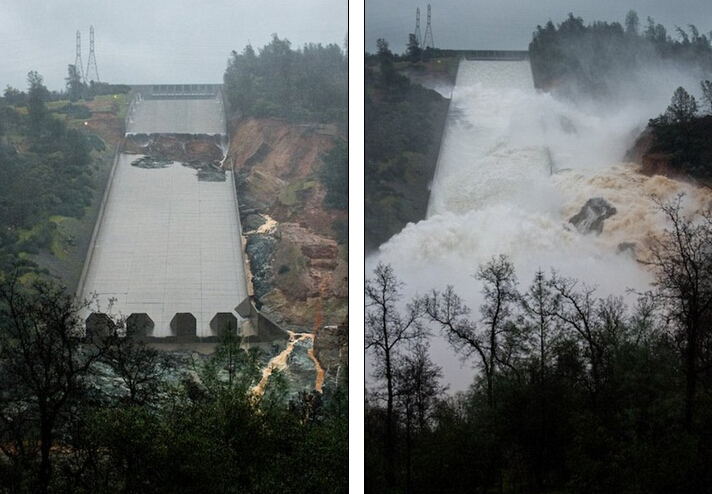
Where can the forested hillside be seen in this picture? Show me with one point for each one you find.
(679, 141)
(403, 127)
(580, 59)
(47, 170)
(108, 414)
(309, 84)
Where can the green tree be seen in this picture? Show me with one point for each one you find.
(682, 108)
(279, 64)
(385, 58)
(335, 176)
(14, 96)
(656, 32)
(141, 368)
(75, 87)
(36, 108)
(241, 80)
(413, 50)
(632, 23)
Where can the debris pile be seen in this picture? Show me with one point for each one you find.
(151, 162)
(207, 171)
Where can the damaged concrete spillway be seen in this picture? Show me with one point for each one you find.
(167, 252)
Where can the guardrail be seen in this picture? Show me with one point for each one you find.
(160, 91)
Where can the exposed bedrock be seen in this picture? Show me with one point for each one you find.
(592, 215)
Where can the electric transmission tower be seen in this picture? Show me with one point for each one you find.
(92, 70)
(417, 26)
(78, 64)
(428, 41)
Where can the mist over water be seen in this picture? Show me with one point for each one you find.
(514, 167)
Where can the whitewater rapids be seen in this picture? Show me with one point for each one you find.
(515, 165)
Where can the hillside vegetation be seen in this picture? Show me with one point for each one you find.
(49, 173)
(404, 123)
(580, 59)
(680, 139)
(309, 84)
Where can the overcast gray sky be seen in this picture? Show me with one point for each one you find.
(150, 41)
(509, 24)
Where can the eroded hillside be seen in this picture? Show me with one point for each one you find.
(296, 245)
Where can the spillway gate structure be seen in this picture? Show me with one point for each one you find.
(166, 254)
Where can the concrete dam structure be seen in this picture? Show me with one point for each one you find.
(195, 109)
(167, 252)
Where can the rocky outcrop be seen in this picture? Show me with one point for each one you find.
(592, 215)
(331, 348)
(651, 163)
(305, 263)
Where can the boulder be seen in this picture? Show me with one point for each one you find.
(592, 215)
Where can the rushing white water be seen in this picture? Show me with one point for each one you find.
(514, 166)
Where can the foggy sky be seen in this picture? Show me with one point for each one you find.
(509, 24)
(153, 41)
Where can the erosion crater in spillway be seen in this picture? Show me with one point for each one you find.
(515, 165)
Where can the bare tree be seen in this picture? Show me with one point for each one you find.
(496, 343)
(577, 311)
(417, 384)
(682, 256)
(500, 295)
(387, 329)
(539, 306)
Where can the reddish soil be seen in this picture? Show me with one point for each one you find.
(279, 167)
(277, 156)
(176, 147)
(107, 125)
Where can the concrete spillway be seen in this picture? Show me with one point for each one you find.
(176, 116)
(167, 244)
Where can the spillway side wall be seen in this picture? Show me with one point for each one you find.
(443, 139)
(240, 249)
(97, 224)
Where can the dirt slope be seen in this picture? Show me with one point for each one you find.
(299, 260)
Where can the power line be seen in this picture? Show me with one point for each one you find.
(428, 41)
(417, 25)
(78, 64)
(91, 64)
